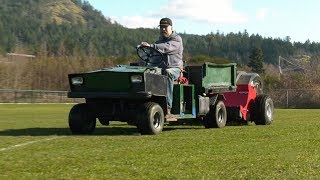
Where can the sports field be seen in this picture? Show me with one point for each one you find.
(35, 143)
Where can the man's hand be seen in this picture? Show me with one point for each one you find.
(145, 44)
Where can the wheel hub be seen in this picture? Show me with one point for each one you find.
(220, 116)
(157, 120)
(269, 111)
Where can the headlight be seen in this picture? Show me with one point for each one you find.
(136, 79)
(77, 81)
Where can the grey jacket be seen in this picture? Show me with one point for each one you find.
(172, 48)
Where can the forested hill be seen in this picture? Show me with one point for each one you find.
(75, 28)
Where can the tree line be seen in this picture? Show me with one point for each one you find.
(26, 25)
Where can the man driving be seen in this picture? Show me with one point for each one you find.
(171, 46)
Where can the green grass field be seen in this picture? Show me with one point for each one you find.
(35, 143)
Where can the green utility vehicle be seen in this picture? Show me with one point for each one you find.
(136, 94)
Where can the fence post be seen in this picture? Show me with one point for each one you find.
(287, 98)
(31, 99)
(15, 97)
(60, 95)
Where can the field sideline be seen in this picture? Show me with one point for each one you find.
(35, 143)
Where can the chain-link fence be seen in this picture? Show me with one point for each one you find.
(35, 96)
(296, 98)
(283, 98)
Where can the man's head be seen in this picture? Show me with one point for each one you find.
(165, 27)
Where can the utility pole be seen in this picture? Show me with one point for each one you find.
(280, 71)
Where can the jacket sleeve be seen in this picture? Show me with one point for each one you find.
(170, 47)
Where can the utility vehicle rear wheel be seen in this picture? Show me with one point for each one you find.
(81, 119)
(263, 110)
(150, 118)
(217, 117)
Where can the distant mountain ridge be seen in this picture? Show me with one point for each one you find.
(64, 11)
(49, 11)
(32, 24)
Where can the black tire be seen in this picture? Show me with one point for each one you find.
(81, 119)
(263, 110)
(150, 118)
(217, 117)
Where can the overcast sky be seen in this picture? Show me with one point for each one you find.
(269, 18)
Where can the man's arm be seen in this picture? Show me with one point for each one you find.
(169, 47)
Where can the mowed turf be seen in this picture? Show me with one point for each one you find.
(35, 143)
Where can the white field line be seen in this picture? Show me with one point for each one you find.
(28, 143)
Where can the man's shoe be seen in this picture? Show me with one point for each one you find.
(169, 116)
(169, 111)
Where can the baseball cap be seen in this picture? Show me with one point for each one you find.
(165, 22)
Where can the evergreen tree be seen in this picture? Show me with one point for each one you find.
(256, 60)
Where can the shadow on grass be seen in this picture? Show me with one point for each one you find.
(108, 131)
(99, 131)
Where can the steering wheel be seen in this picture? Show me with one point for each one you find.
(150, 55)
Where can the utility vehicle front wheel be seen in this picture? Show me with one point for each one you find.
(81, 119)
(150, 118)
